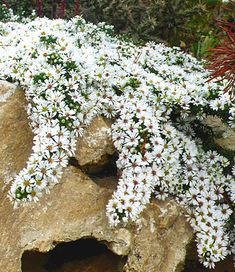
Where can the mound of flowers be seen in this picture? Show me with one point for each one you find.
(72, 71)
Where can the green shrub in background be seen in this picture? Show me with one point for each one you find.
(22, 7)
(140, 18)
(165, 20)
(186, 23)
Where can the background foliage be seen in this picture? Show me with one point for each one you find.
(189, 24)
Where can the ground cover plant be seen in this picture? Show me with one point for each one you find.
(72, 71)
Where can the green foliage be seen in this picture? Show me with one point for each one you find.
(155, 20)
(200, 47)
(22, 7)
(138, 17)
(206, 31)
(190, 24)
(4, 14)
(175, 19)
(25, 7)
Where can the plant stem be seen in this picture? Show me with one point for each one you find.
(6, 4)
(39, 8)
(77, 7)
(53, 10)
(62, 8)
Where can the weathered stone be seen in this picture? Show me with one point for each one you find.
(109, 182)
(93, 149)
(95, 146)
(160, 245)
(224, 135)
(16, 136)
(76, 208)
(124, 237)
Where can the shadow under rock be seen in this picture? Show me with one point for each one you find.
(84, 255)
(106, 177)
(192, 263)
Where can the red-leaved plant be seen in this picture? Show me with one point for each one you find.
(222, 58)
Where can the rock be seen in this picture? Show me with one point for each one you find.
(224, 135)
(124, 237)
(85, 255)
(95, 146)
(160, 245)
(16, 136)
(108, 182)
(93, 149)
(76, 208)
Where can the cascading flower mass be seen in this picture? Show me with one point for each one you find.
(72, 71)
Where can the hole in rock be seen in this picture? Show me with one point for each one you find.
(85, 255)
(105, 176)
(108, 168)
(192, 263)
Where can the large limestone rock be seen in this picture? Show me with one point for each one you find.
(75, 209)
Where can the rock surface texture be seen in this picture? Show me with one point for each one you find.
(15, 134)
(95, 147)
(75, 208)
(224, 136)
